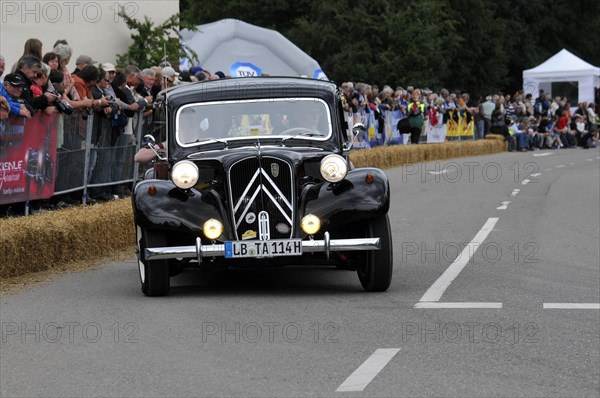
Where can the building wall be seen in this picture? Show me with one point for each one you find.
(91, 27)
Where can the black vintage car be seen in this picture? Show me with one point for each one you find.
(256, 173)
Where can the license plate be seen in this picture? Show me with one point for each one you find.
(263, 248)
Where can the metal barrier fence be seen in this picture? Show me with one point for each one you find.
(94, 154)
(91, 155)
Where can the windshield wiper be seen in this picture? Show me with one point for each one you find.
(298, 137)
(210, 141)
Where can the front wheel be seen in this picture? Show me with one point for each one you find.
(154, 274)
(375, 274)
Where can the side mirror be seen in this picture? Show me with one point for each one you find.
(358, 130)
(150, 140)
(151, 143)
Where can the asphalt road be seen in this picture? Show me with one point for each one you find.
(495, 293)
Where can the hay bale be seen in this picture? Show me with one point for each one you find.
(494, 137)
(398, 155)
(36, 243)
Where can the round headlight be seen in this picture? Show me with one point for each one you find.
(185, 174)
(212, 229)
(310, 224)
(334, 168)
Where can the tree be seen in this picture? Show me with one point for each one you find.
(153, 44)
(471, 45)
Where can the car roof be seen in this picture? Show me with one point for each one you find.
(251, 87)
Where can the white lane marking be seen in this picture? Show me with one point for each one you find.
(441, 284)
(560, 166)
(526, 181)
(571, 164)
(515, 192)
(550, 169)
(436, 173)
(457, 305)
(366, 372)
(590, 160)
(536, 174)
(503, 207)
(573, 306)
(542, 154)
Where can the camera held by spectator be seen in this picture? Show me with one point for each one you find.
(61, 105)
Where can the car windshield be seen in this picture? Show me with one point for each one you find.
(303, 118)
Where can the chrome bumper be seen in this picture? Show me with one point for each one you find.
(218, 250)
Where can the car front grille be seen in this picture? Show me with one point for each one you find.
(262, 198)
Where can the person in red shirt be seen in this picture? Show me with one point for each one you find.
(562, 129)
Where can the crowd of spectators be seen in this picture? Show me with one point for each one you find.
(545, 123)
(42, 82)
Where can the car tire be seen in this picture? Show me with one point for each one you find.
(175, 269)
(375, 274)
(154, 274)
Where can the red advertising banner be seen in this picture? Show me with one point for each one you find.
(27, 158)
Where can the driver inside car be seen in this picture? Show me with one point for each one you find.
(307, 120)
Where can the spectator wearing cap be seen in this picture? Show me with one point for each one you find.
(81, 62)
(111, 71)
(195, 70)
(199, 73)
(169, 76)
(213, 76)
(12, 89)
(220, 74)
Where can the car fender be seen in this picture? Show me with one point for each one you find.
(167, 207)
(350, 200)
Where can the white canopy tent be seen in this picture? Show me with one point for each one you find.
(241, 49)
(563, 67)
